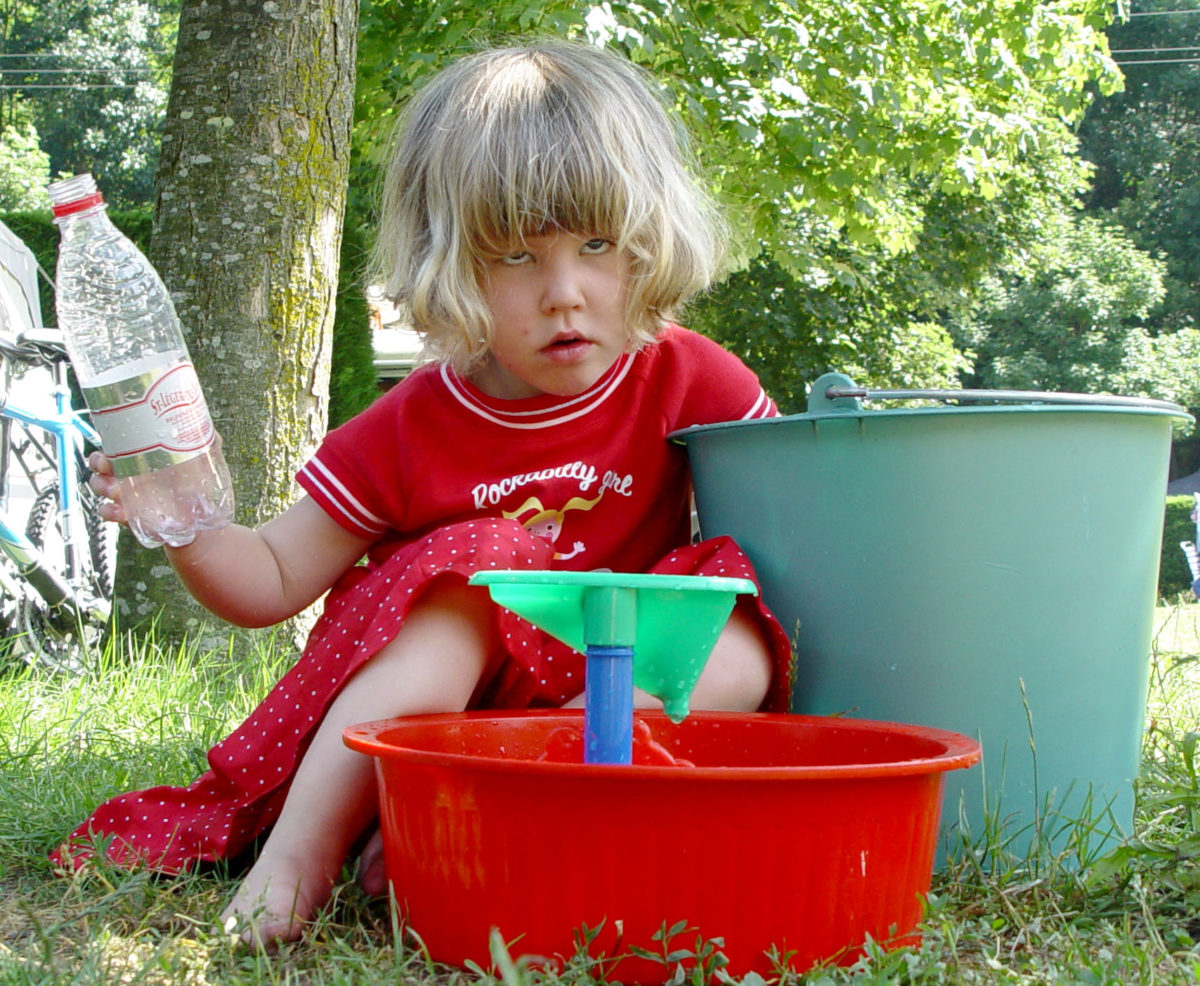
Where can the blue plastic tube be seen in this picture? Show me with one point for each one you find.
(608, 705)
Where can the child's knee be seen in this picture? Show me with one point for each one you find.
(446, 645)
(738, 673)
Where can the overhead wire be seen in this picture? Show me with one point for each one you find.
(78, 87)
(1158, 51)
(1122, 51)
(40, 76)
(73, 71)
(59, 54)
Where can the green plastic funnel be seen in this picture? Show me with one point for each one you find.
(670, 622)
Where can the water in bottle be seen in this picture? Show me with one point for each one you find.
(127, 348)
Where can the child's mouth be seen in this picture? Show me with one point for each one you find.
(567, 348)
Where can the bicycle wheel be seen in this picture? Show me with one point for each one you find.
(44, 529)
(11, 602)
(51, 641)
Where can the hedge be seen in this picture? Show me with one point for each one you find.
(1174, 576)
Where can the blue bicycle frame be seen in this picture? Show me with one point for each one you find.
(69, 430)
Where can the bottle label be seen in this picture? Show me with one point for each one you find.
(152, 419)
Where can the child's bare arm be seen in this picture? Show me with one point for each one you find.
(253, 577)
(259, 577)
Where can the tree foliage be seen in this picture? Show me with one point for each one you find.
(812, 122)
(92, 78)
(24, 168)
(884, 318)
(1145, 143)
(1071, 316)
(1108, 301)
(352, 384)
(876, 157)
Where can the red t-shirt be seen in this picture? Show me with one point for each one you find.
(592, 473)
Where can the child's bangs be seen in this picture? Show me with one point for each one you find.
(548, 170)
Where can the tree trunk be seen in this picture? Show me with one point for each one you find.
(251, 190)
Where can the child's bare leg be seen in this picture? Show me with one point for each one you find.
(736, 677)
(433, 665)
(738, 673)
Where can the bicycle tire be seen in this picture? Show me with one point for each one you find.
(51, 644)
(100, 545)
(10, 614)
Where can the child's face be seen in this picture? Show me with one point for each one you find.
(558, 314)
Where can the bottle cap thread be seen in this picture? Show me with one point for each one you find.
(74, 195)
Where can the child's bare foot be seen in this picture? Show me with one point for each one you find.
(277, 899)
(372, 872)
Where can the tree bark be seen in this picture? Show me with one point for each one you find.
(251, 190)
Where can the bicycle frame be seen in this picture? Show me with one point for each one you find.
(69, 430)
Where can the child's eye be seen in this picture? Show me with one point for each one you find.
(513, 259)
(598, 245)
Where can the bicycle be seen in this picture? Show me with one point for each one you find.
(56, 575)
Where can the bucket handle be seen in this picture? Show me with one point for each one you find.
(835, 391)
(1025, 396)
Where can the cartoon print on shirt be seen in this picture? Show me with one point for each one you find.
(546, 522)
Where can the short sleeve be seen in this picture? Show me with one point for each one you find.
(356, 474)
(702, 383)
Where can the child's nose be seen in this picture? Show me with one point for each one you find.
(563, 287)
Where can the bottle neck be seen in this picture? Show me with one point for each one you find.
(71, 213)
(91, 223)
(76, 196)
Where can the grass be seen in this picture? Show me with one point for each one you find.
(142, 714)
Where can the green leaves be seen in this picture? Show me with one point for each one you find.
(1071, 314)
(698, 964)
(94, 83)
(24, 169)
(888, 151)
(824, 111)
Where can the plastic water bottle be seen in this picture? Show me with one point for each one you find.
(127, 348)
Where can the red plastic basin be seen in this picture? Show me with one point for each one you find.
(799, 832)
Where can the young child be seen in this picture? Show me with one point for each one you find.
(539, 227)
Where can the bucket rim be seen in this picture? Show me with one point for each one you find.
(959, 751)
(1159, 410)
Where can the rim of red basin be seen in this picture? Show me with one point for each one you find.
(958, 751)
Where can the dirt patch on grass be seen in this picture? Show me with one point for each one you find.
(23, 916)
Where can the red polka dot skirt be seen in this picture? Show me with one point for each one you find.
(168, 829)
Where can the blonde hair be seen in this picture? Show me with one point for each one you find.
(510, 142)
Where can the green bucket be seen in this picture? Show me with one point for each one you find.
(988, 566)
